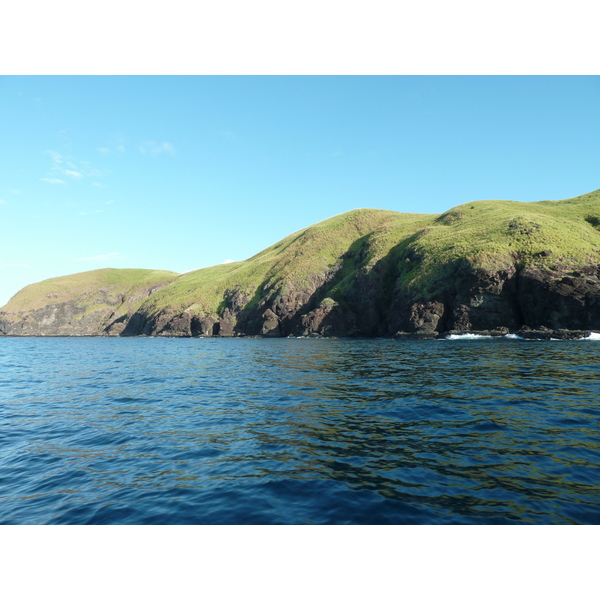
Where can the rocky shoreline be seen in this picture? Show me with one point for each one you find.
(521, 334)
(491, 268)
(533, 304)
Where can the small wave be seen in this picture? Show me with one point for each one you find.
(512, 336)
(593, 336)
(467, 336)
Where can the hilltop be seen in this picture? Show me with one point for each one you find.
(494, 265)
(86, 303)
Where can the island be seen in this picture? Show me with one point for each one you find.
(493, 266)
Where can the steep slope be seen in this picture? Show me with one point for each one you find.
(90, 303)
(277, 291)
(488, 265)
(480, 266)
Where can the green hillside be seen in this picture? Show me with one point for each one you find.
(494, 234)
(87, 301)
(488, 234)
(111, 282)
(293, 261)
(365, 270)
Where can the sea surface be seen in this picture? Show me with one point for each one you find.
(299, 431)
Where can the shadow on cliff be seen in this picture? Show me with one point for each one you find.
(282, 308)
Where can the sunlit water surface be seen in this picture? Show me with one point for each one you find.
(299, 431)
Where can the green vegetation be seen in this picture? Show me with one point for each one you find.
(293, 262)
(494, 235)
(414, 252)
(96, 290)
(490, 234)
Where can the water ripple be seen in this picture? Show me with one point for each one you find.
(171, 431)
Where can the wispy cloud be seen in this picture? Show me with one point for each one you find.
(229, 260)
(63, 166)
(15, 191)
(151, 147)
(56, 157)
(3, 201)
(13, 265)
(100, 257)
(119, 149)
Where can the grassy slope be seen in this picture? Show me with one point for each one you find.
(88, 287)
(494, 234)
(293, 260)
(490, 234)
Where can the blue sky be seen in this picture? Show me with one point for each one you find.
(181, 173)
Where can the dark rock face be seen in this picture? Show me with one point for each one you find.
(102, 312)
(496, 302)
(59, 319)
(484, 300)
(270, 325)
(560, 300)
(533, 301)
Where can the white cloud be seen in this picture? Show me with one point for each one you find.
(226, 262)
(68, 167)
(109, 256)
(97, 184)
(56, 157)
(150, 147)
(120, 148)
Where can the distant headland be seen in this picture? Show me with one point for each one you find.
(493, 266)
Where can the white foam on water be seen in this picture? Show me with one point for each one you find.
(467, 336)
(593, 336)
(512, 336)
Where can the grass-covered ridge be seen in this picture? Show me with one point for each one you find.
(495, 234)
(97, 288)
(488, 234)
(293, 261)
(354, 260)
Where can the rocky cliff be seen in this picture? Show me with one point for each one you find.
(495, 266)
(92, 303)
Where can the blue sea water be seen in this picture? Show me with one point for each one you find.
(299, 431)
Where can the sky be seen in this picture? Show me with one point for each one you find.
(184, 172)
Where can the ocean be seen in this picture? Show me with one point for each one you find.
(161, 430)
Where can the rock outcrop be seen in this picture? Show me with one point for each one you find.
(493, 266)
(93, 303)
(500, 302)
